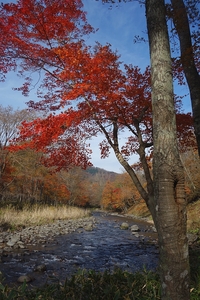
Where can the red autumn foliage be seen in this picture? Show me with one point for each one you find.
(63, 144)
(47, 37)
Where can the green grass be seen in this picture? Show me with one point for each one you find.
(91, 285)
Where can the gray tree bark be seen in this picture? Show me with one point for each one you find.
(169, 196)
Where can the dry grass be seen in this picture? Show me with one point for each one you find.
(140, 209)
(38, 215)
(193, 214)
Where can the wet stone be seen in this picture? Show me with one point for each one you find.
(124, 226)
(24, 278)
(88, 227)
(40, 268)
(135, 228)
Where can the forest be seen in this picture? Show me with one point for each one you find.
(25, 179)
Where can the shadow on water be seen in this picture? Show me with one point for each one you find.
(106, 247)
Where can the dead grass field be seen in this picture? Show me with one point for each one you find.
(39, 215)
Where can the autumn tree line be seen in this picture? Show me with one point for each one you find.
(26, 180)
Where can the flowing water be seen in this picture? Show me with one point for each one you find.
(105, 247)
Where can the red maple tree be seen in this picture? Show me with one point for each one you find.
(46, 37)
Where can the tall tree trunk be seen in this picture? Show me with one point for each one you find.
(169, 197)
(181, 23)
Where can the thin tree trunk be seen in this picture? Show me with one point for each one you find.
(169, 196)
(181, 23)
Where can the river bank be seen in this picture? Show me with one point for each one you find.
(41, 234)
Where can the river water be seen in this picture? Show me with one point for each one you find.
(104, 248)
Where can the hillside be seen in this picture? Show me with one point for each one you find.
(96, 173)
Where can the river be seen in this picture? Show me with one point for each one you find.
(106, 247)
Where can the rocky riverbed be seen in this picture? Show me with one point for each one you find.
(41, 235)
(44, 253)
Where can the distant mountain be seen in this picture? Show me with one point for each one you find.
(98, 172)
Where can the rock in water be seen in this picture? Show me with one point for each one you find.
(40, 268)
(135, 228)
(124, 226)
(24, 278)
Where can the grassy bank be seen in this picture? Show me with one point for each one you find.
(90, 285)
(10, 218)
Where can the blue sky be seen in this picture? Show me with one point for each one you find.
(118, 26)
